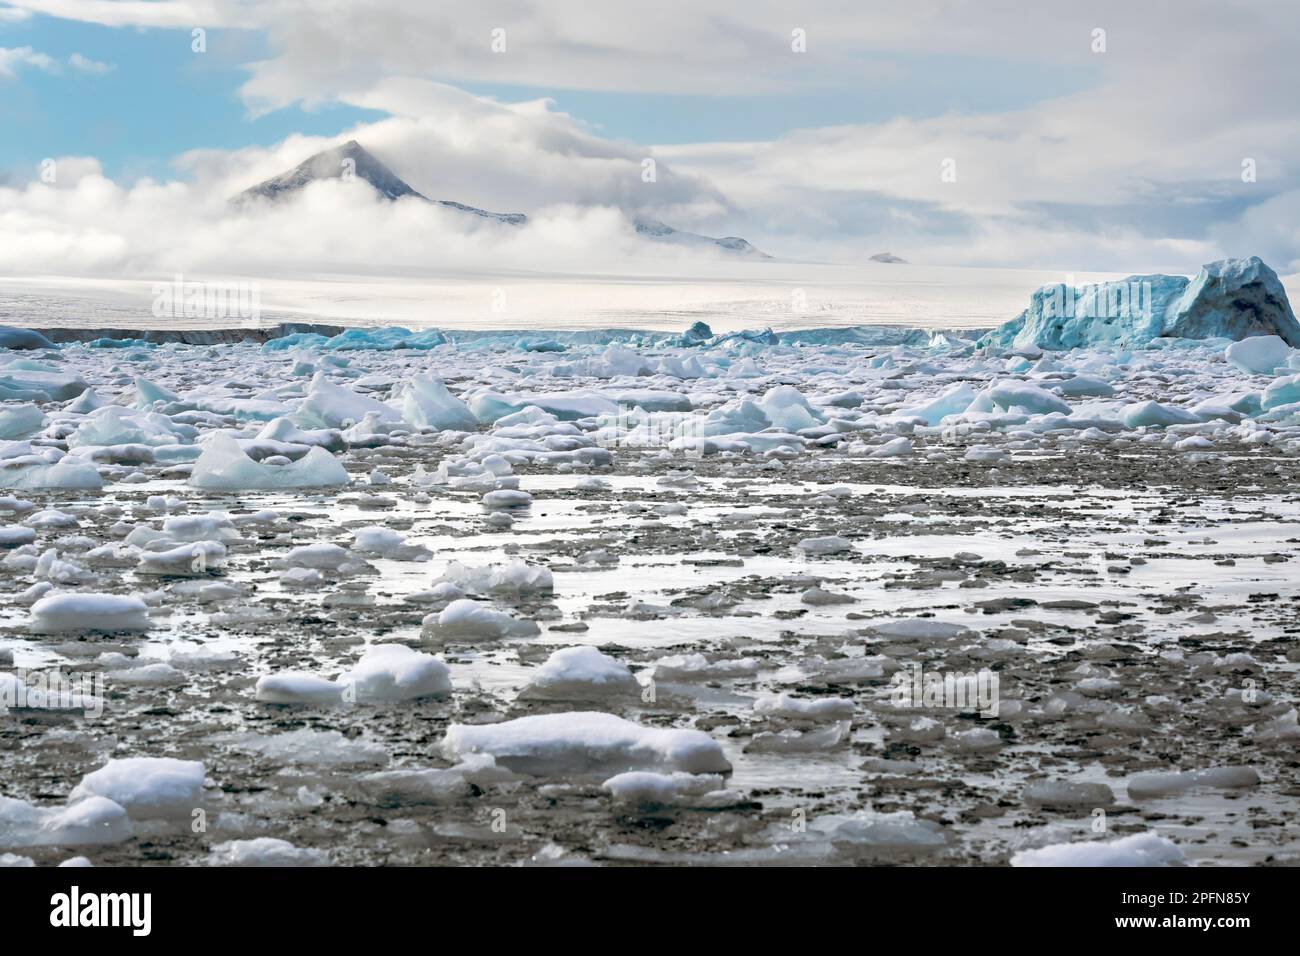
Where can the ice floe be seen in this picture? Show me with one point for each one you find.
(586, 742)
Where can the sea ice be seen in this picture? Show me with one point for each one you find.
(585, 742)
(1150, 785)
(1140, 849)
(516, 579)
(33, 473)
(1259, 354)
(328, 405)
(95, 821)
(297, 687)
(817, 709)
(20, 421)
(468, 619)
(580, 673)
(393, 672)
(82, 611)
(1063, 794)
(147, 787)
(828, 544)
(223, 466)
(265, 851)
(428, 404)
(196, 558)
(645, 788)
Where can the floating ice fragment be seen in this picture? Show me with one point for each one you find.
(647, 789)
(223, 466)
(1149, 785)
(1140, 849)
(794, 741)
(910, 629)
(580, 673)
(428, 404)
(1013, 396)
(789, 707)
(146, 787)
(332, 406)
(87, 611)
(505, 498)
(322, 556)
(387, 543)
(466, 618)
(870, 830)
(307, 746)
(828, 544)
(20, 421)
(515, 579)
(198, 558)
(585, 742)
(29, 472)
(1149, 414)
(1259, 354)
(95, 821)
(297, 687)
(392, 672)
(265, 851)
(819, 597)
(697, 667)
(1064, 794)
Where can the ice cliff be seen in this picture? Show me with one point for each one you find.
(1231, 299)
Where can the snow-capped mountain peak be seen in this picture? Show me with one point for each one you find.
(354, 162)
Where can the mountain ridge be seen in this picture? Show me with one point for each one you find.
(353, 159)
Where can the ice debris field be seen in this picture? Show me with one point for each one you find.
(1025, 597)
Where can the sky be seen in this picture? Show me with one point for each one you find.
(1103, 135)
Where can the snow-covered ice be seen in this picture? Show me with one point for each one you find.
(147, 787)
(586, 742)
(611, 578)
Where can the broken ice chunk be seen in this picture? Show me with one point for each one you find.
(649, 790)
(793, 741)
(223, 466)
(828, 544)
(188, 560)
(816, 709)
(1066, 794)
(585, 743)
(697, 667)
(580, 673)
(1147, 785)
(88, 612)
(95, 821)
(146, 787)
(297, 687)
(265, 851)
(1140, 849)
(515, 579)
(391, 672)
(466, 618)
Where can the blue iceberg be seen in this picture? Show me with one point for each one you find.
(1230, 299)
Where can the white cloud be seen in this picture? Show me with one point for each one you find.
(1139, 170)
(135, 13)
(92, 226)
(14, 58)
(86, 65)
(516, 157)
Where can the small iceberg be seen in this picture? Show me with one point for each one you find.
(223, 466)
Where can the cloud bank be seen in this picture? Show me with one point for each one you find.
(1183, 149)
